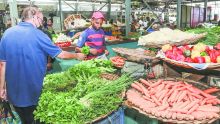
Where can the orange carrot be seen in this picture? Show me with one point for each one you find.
(143, 89)
(155, 100)
(163, 107)
(147, 98)
(183, 105)
(171, 91)
(163, 95)
(196, 95)
(174, 95)
(208, 109)
(190, 105)
(203, 101)
(160, 87)
(164, 101)
(207, 95)
(157, 83)
(193, 90)
(176, 105)
(211, 90)
(146, 83)
(182, 96)
(195, 107)
(136, 87)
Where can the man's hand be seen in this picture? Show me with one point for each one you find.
(3, 95)
(49, 66)
(93, 51)
(106, 52)
(80, 56)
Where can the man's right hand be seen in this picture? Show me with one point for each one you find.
(93, 51)
(80, 56)
(3, 94)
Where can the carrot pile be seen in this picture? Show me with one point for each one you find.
(174, 100)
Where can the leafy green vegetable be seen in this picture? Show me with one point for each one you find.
(86, 50)
(212, 36)
(74, 96)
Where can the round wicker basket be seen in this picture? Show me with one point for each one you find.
(199, 85)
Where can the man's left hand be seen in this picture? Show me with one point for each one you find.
(106, 52)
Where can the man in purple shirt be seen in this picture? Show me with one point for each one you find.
(23, 59)
(94, 37)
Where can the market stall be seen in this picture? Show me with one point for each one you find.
(143, 63)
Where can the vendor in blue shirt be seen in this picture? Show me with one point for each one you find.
(23, 59)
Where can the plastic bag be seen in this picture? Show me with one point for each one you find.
(7, 116)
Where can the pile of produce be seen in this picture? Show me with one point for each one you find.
(112, 38)
(165, 36)
(138, 55)
(199, 53)
(85, 50)
(212, 36)
(173, 101)
(74, 95)
(78, 23)
(62, 40)
(132, 36)
(118, 61)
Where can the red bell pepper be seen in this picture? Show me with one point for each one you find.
(213, 56)
(188, 59)
(199, 59)
(207, 49)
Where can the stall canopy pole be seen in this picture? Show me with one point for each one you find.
(148, 6)
(109, 10)
(205, 10)
(61, 15)
(77, 6)
(13, 11)
(102, 7)
(128, 16)
(179, 13)
(164, 9)
(93, 6)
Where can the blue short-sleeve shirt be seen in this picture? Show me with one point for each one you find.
(25, 48)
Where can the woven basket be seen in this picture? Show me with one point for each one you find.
(199, 85)
(135, 55)
(185, 41)
(130, 105)
(185, 65)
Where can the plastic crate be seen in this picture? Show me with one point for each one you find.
(109, 33)
(116, 117)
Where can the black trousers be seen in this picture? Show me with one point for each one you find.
(26, 114)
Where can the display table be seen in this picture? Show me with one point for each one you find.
(60, 65)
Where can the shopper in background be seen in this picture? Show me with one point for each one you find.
(50, 26)
(94, 37)
(44, 22)
(8, 23)
(23, 53)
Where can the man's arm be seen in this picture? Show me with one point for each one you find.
(68, 55)
(2, 80)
